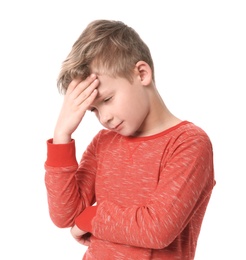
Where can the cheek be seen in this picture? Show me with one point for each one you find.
(131, 103)
(136, 112)
(127, 106)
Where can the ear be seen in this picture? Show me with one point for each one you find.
(144, 72)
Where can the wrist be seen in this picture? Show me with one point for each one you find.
(61, 138)
(61, 155)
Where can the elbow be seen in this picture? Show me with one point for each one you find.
(157, 239)
(61, 222)
(157, 243)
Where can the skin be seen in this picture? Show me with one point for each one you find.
(129, 108)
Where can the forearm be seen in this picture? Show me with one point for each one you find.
(62, 194)
(62, 189)
(178, 201)
(135, 226)
(70, 188)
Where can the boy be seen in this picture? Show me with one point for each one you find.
(143, 184)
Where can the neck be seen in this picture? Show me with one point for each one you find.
(159, 117)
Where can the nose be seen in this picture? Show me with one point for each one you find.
(105, 117)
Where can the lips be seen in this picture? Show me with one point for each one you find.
(117, 127)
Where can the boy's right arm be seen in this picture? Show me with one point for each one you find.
(70, 187)
(65, 198)
(79, 96)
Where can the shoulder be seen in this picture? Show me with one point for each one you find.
(184, 137)
(194, 138)
(190, 130)
(190, 127)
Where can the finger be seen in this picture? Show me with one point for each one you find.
(83, 95)
(85, 239)
(78, 86)
(83, 242)
(72, 86)
(86, 243)
(88, 92)
(86, 103)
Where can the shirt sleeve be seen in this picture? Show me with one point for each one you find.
(70, 186)
(60, 155)
(84, 220)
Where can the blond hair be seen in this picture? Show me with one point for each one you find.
(106, 46)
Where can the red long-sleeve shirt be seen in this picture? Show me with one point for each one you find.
(151, 192)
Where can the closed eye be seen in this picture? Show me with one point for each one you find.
(93, 109)
(107, 99)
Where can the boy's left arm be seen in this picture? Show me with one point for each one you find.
(186, 184)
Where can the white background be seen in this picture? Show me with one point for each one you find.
(199, 49)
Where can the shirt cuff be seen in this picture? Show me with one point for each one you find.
(61, 155)
(84, 220)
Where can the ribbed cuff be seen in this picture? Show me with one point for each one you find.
(60, 155)
(84, 220)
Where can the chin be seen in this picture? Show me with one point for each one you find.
(130, 133)
(125, 133)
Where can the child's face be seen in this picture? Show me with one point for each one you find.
(122, 106)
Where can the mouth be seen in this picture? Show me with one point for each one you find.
(117, 127)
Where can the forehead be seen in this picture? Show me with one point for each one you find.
(109, 84)
(106, 83)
